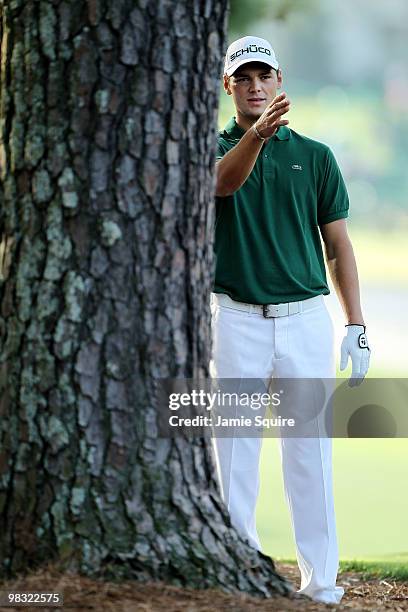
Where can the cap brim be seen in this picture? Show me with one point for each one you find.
(251, 60)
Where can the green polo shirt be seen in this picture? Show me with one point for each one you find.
(267, 240)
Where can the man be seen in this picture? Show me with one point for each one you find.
(279, 193)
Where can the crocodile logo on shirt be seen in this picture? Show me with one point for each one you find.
(296, 167)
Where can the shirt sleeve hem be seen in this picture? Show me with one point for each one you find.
(341, 214)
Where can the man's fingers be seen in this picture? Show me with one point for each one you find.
(281, 110)
(275, 117)
(277, 102)
(279, 97)
(282, 104)
(277, 112)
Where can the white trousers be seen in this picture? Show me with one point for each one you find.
(247, 345)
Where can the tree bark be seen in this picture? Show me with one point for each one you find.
(107, 147)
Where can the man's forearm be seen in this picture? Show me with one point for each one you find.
(343, 272)
(236, 165)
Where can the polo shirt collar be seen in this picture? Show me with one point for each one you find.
(283, 133)
(233, 130)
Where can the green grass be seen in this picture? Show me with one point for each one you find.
(377, 568)
(371, 500)
(395, 569)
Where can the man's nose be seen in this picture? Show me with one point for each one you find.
(255, 85)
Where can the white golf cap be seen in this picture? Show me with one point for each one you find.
(249, 49)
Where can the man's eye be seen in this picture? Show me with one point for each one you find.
(266, 76)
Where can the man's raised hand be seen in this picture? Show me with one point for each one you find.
(271, 119)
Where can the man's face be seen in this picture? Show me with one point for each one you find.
(253, 86)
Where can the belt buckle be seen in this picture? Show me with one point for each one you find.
(265, 311)
(271, 311)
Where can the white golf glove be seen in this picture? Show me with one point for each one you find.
(355, 345)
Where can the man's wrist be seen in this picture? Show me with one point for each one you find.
(257, 134)
(360, 324)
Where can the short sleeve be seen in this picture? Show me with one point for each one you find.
(222, 148)
(333, 200)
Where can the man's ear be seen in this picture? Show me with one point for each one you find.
(279, 78)
(226, 85)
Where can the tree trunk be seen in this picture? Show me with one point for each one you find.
(107, 150)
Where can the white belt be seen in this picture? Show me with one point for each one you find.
(267, 310)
